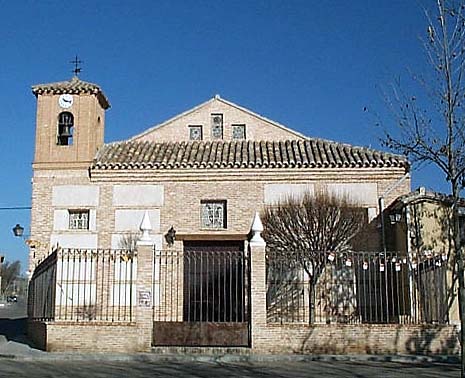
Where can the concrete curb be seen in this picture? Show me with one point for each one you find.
(36, 355)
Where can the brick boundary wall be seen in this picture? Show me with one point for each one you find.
(85, 337)
(359, 339)
(272, 339)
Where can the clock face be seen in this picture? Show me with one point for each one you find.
(65, 101)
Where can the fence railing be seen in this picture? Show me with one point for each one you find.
(85, 285)
(41, 292)
(201, 286)
(356, 287)
(213, 286)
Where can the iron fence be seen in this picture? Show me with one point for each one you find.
(85, 285)
(356, 287)
(201, 286)
(41, 292)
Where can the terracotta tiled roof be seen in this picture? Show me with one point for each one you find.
(423, 195)
(73, 86)
(310, 153)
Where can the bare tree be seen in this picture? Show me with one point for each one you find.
(305, 230)
(431, 122)
(9, 272)
(129, 241)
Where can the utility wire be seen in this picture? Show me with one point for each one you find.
(16, 208)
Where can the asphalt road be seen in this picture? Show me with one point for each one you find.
(12, 368)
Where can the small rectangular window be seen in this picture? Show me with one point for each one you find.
(195, 132)
(238, 131)
(213, 214)
(217, 125)
(78, 219)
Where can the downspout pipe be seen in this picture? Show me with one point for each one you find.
(382, 206)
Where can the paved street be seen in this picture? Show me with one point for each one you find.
(41, 365)
(77, 369)
(13, 319)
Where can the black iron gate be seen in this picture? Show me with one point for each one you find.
(201, 295)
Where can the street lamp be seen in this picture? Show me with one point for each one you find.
(18, 230)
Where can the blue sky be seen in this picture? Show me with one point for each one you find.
(310, 65)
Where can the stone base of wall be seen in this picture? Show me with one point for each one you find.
(85, 337)
(358, 339)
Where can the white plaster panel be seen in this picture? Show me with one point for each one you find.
(372, 213)
(120, 294)
(275, 193)
(75, 270)
(75, 195)
(130, 220)
(360, 193)
(121, 290)
(75, 240)
(77, 294)
(92, 220)
(138, 195)
(61, 220)
(115, 240)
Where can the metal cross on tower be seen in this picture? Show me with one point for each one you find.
(77, 68)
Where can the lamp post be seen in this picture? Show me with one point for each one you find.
(1, 275)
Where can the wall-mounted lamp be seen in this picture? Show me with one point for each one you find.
(170, 236)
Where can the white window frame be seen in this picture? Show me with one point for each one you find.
(79, 219)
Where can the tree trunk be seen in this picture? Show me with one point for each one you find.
(460, 271)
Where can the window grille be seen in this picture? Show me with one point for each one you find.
(238, 131)
(213, 214)
(79, 219)
(217, 126)
(195, 132)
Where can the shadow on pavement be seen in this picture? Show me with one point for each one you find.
(14, 330)
(13, 323)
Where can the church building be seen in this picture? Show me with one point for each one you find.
(204, 172)
(193, 184)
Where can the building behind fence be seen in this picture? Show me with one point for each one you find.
(356, 287)
(84, 285)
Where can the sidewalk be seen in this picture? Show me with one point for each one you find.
(14, 344)
(20, 349)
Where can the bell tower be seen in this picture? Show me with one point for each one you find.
(70, 124)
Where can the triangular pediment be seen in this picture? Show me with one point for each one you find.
(233, 118)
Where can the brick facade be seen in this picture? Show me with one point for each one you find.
(244, 191)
